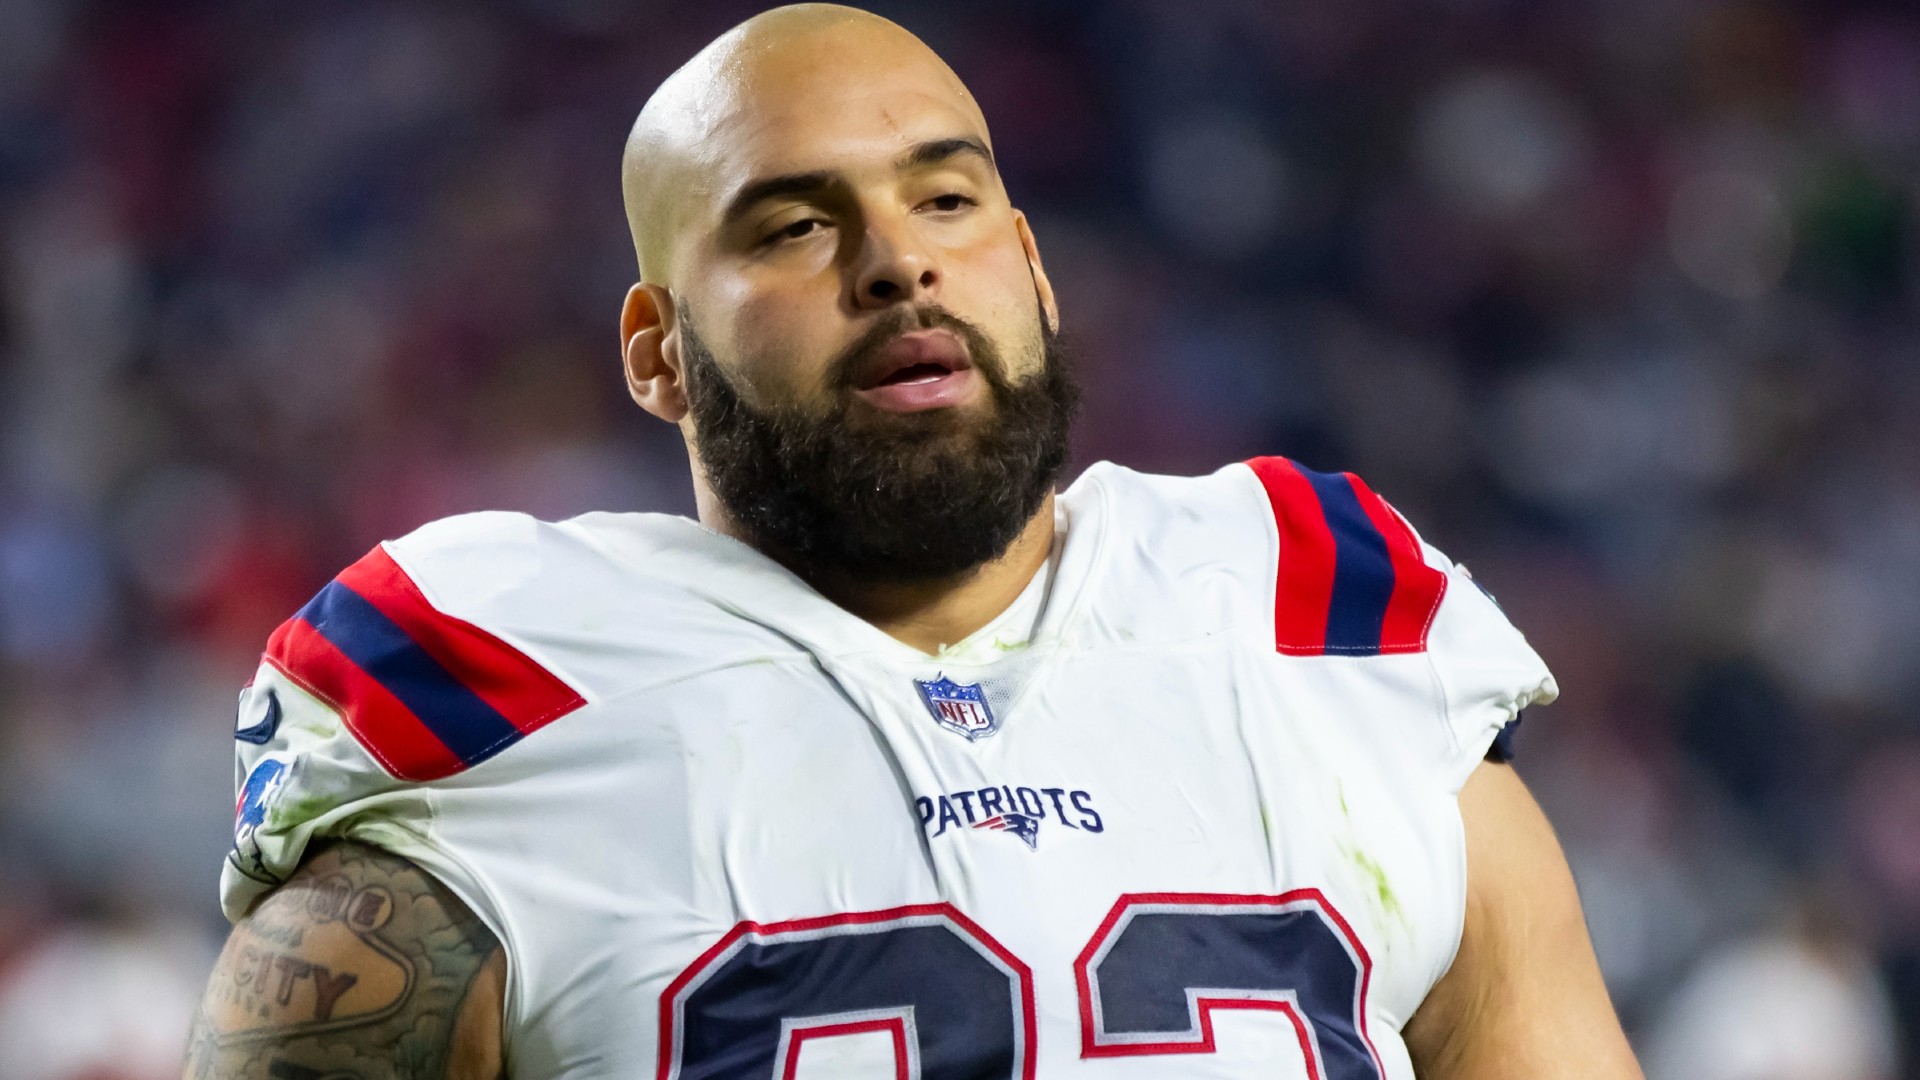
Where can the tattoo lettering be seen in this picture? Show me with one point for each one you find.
(272, 989)
(327, 988)
(356, 969)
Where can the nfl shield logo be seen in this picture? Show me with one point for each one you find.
(959, 707)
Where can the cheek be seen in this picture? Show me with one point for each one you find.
(777, 341)
(1002, 294)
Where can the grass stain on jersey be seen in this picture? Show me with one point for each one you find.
(1382, 889)
(291, 812)
(1382, 894)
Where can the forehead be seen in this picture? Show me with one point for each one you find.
(803, 111)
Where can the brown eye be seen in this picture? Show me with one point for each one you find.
(794, 231)
(947, 204)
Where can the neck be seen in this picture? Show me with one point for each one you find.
(925, 614)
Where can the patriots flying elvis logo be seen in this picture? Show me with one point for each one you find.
(1020, 825)
(959, 707)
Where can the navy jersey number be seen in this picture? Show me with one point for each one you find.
(957, 1005)
(1162, 963)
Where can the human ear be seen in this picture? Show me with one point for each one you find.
(1040, 283)
(650, 350)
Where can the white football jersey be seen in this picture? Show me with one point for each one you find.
(1202, 823)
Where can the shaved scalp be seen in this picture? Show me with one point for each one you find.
(671, 165)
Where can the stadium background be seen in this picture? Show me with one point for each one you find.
(1618, 299)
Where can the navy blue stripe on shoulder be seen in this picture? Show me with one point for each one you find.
(470, 728)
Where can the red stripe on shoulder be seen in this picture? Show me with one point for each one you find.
(1417, 587)
(389, 730)
(1303, 584)
(525, 693)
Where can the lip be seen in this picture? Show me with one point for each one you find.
(948, 378)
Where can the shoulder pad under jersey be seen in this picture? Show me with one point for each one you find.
(1352, 578)
(425, 692)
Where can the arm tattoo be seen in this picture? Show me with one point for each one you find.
(355, 969)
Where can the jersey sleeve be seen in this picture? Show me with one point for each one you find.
(1485, 669)
(363, 701)
(1353, 579)
(299, 774)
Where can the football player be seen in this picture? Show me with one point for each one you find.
(896, 763)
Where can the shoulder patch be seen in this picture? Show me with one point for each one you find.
(427, 694)
(1351, 579)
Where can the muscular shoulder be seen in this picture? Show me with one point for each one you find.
(1172, 520)
(548, 582)
(446, 651)
(361, 965)
(1315, 563)
(1179, 557)
(1316, 568)
(608, 600)
(454, 641)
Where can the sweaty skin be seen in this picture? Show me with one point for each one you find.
(885, 194)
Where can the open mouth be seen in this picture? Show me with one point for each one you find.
(925, 369)
(916, 373)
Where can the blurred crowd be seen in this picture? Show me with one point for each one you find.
(1618, 300)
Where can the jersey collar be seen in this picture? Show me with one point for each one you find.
(752, 586)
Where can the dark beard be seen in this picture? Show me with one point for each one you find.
(885, 497)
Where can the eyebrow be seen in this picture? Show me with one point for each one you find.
(939, 150)
(931, 152)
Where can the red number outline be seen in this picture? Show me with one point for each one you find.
(1091, 1045)
(789, 1064)
(1027, 1025)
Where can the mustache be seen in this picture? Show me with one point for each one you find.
(844, 370)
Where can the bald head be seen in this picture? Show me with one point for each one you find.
(741, 107)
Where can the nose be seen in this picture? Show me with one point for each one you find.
(894, 267)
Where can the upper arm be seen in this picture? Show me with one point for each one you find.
(360, 967)
(1524, 999)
